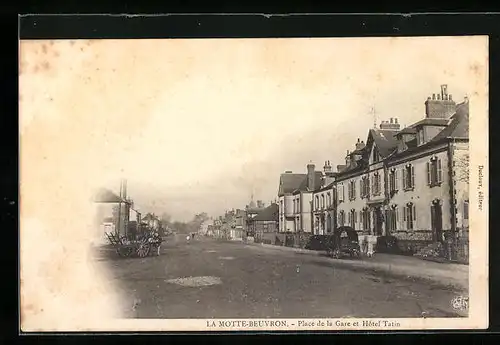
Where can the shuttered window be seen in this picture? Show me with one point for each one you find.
(434, 172)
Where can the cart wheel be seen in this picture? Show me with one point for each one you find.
(143, 250)
(127, 252)
(336, 254)
(124, 252)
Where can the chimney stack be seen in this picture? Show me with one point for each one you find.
(440, 107)
(360, 145)
(311, 174)
(327, 168)
(391, 125)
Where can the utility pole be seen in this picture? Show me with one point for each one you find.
(118, 223)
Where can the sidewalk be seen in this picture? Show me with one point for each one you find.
(447, 274)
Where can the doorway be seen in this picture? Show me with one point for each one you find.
(328, 224)
(437, 221)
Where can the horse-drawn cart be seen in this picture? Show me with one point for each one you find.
(148, 245)
(344, 242)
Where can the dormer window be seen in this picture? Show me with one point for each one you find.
(421, 139)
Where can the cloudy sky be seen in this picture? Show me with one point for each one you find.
(197, 125)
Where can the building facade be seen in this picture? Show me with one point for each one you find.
(410, 183)
(323, 203)
(295, 199)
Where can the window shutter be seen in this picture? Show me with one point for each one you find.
(396, 213)
(405, 179)
(343, 193)
(429, 177)
(349, 218)
(353, 189)
(396, 179)
(355, 217)
(379, 182)
(414, 211)
(412, 176)
(439, 171)
(404, 214)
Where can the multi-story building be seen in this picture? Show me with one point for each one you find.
(295, 196)
(324, 203)
(410, 183)
(428, 173)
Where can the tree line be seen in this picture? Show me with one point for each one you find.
(183, 227)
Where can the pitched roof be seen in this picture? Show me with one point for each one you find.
(385, 140)
(459, 124)
(269, 213)
(458, 128)
(290, 182)
(318, 182)
(325, 187)
(407, 130)
(430, 122)
(104, 195)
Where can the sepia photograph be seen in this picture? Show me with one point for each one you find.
(254, 184)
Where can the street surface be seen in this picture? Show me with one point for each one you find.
(251, 281)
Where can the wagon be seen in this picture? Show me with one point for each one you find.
(147, 245)
(344, 242)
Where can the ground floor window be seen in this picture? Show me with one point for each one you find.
(365, 218)
(393, 218)
(352, 219)
(341, 218)
(409, 215)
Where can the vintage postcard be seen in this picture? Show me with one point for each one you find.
(254, 184)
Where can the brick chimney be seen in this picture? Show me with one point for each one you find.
(327, 168)
(360, 145)
(391, 125)
(311, 175)
(441, 105)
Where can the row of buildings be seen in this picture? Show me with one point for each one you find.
(410, 183)
(243, 224)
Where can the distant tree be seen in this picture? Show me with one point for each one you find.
(165, 220)
(462, 166)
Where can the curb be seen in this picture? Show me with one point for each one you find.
(388, 269)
